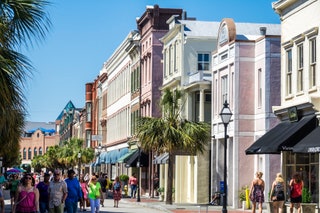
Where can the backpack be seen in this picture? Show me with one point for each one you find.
(117, 186)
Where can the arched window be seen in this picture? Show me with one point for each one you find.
(24, 154)
(29, 153)
(35, 151)
(40, 151)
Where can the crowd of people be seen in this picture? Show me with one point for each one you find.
(55, 192)
(277, 193)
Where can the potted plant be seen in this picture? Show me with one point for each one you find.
(160, 190)
(306, 204)
(124, 179)
(243, 197)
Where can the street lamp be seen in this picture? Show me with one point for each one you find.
(79, 163)
(225, 117)
(138, 166)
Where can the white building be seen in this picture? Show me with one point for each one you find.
(187, 63)
(300, 83)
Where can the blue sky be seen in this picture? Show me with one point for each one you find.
(86, 33)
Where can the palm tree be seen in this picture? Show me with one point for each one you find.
(22, 23)
(64, 157)
(171, 133)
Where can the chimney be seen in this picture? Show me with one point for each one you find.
(184, 15)
(263, 31)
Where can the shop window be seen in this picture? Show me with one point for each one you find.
(308, 167)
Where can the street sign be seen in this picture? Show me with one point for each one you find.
(96, 137)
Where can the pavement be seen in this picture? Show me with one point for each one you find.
(151, 205)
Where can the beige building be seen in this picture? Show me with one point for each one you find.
(38, 136)
(300, 94)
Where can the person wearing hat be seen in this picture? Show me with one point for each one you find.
(74, 192)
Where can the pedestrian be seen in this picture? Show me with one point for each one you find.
(13, 186)
(296, 185)
(277, 194)
(84, 188)
(27, 196)
(43, 187)
(3, 181)
(117, 191)
(74, 192)
(95, 194)
(2, 207)
(256, 192)
(103, 183)
(57, 193)
(133, 181)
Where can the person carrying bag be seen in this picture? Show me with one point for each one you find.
(277, 194)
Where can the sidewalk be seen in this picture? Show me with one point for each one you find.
(179, 208)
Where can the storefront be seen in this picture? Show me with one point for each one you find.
(297, 140)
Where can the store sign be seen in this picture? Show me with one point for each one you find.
(293, 114)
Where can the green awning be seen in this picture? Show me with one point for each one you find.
(125, 157)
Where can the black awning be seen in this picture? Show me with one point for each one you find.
(133, 159)
(283, 136)
(310, 143)
(161, 159)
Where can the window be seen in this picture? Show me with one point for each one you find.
(289, 72)
(24, 154)
(88, 107)
(203, 62)
(35, 151)
(40, 151)
(308, 167)
(176, 56)
(259, 88)
(224, 89)
(88, 138)
(313, 61)
(29, 154)
(172, 59)
(300, 68)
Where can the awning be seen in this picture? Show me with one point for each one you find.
(103, 157)
(161, 159)
(97, 163)
(112, 157)
(310, 143)
(132, 161)
(283, 136)
(125, 157)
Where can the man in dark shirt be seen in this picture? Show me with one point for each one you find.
(43, 188)
(103, 182)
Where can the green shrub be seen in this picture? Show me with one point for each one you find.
(306, 195)
(124, 178)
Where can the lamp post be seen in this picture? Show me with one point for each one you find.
(225, 117)
(79, 163)
(138, 166)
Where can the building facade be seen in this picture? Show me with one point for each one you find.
(152, 26)
(300, 80)
(38, 136)
(187, 66)
(245, 73)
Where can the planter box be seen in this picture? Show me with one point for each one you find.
(305, 208)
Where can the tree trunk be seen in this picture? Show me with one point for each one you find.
(170, 179)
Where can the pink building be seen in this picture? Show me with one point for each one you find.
(246, 74)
